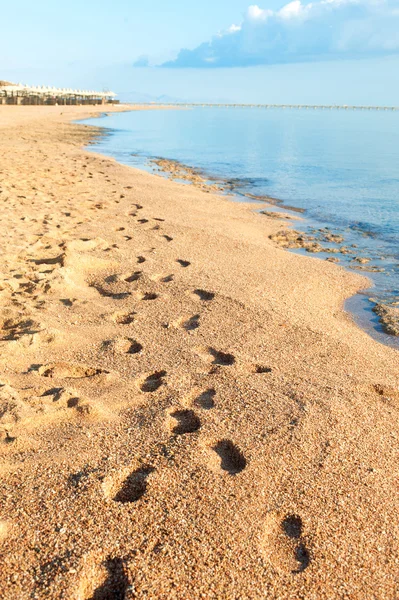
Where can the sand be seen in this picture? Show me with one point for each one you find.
(186, 411)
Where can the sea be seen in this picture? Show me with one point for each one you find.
(339, 167)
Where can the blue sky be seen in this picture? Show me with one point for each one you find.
(230, 50)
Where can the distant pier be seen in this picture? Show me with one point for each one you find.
(269, 106)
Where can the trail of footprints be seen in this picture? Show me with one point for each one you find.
(127, 488)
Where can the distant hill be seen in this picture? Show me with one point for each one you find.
(4, 83)
(140, 97)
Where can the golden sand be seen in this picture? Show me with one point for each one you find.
(185, 410)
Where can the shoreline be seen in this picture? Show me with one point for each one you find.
(181, 400)
(384, 330)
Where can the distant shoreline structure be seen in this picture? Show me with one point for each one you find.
(266, 106)
(12, 93)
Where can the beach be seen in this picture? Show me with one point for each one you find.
(186, 409)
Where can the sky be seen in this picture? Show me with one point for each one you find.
(324, 51)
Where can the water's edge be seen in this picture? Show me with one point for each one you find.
(360, 306)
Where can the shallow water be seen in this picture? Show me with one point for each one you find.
(342, 167)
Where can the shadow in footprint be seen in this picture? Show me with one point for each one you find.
(191, 323)
(167, 238)
(292, 527)
(153, 382)
(186, 422)
(204, 295)
(167, 279)
(232, 459)
(107, 294)
(134, 276)
(115, 584)
(140, 259)
(183, 263)
(134, 347)
(149, 296)
(206, 399)
(261, 369)
(221, 358)
(123, 318)
(134, 487)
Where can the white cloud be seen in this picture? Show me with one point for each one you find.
(320, 30)
(254, 13)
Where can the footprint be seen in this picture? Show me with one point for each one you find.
(68, 370)
(134, 277)
(160, 220)
(108, 582)
(146, 296)
(134, 486)
(142, 221)
(232, 459)
(283, 543)
(68, 301)
(107, 294)
(168, 238)
(184, 421)
(254, 368)
(183, 263)
(152, 382)
(204, 295)
(162, 278)
(216, 357)
(206, 399)
(124, 346)
(123, 318)
(55, 260)
(188, 324)
(132, 346)
(140, 259)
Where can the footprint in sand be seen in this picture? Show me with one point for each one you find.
(142, 221)
(189, 324)
(141, 260)
(109, 581)
(123, 318)
(283, 544)
(127, 485)
(162, 278)
(205, 399)
(14, 328)
(146, 296)
(183, 263)
(68, 370)
(184, 421)
(228, 457)
(105, 293)
(259, 369)
(133, 277)
(122, 345)
(203, 295)
(216, 357)
(151, 383)
(168, 238)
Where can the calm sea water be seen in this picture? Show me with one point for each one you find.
(342, 167)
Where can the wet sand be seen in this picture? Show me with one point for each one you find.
(185, 409)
